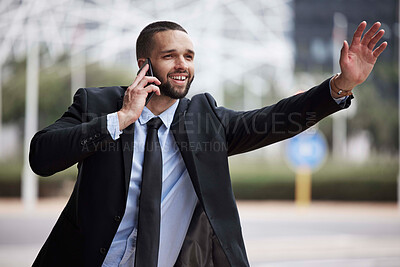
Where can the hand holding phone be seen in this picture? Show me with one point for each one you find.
(148, 73)
(132, 106)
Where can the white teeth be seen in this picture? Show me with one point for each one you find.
(181, 78)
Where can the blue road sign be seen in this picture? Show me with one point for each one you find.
(306, 150)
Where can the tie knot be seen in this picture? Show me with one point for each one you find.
(154, 123)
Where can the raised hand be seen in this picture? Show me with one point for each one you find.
(358, 60)
(135, 98)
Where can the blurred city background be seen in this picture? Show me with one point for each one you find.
(248, 54)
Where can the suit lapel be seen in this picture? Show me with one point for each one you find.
(127, 142)
(179, 130)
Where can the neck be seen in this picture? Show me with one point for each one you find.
(159, 104)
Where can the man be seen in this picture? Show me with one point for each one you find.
(104, 131)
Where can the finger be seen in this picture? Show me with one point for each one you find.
(344, 52)
(380, 49)
(146, 80)
(371, 32)
(376, 39)
(140, 76)
(143, 71)
(345, 93)
(348, 93)
(358, 33)
(152, 88)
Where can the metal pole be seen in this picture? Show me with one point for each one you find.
(339, 120)
(78, 60)
(29, 179)
(1, 113)
(398, 62)
(78, 71)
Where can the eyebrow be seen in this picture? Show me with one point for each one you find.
(174, 50)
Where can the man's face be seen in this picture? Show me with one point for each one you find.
(172, 59)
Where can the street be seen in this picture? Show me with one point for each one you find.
(325, 234)
(277, 234)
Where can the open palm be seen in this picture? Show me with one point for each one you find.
(357, 61)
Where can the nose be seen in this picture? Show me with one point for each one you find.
(180, 63)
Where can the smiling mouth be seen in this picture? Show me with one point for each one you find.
(178, 78)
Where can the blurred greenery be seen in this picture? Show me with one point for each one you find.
(54, 88)
(376, 180)
(59, 184)
(10, 171)
(377, 109)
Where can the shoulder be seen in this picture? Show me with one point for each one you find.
(204, 99)
(101, 92)
(100, 98)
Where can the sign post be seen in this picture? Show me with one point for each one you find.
(305, 153)
(303, 187)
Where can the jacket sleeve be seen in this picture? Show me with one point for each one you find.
(246, 131)
(69, 140)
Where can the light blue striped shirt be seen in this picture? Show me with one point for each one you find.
(178, 198)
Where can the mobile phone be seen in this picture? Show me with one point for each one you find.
(148, 73)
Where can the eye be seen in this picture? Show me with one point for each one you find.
(190, 57)
(167, 56)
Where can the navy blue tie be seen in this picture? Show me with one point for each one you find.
(148, 238)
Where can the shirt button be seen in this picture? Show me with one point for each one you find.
(117, 218)
(103, 250)
(96, 135)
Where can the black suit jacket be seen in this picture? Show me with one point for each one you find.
(205, 134)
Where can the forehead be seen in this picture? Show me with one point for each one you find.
(172, 40)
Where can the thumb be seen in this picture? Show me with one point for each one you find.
(344, 52)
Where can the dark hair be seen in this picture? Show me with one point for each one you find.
(144, 43)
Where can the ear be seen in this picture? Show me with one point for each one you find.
(140, 62)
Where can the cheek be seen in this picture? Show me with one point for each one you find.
(191, 70)
(160, 74)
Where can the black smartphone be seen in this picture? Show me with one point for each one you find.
(148, 73)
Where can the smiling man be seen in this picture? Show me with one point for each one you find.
(168, 47)
(153, 185)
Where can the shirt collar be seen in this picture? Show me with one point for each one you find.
(166, 117)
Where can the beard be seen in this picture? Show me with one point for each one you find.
(167, 89)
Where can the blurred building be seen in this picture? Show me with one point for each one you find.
(252, 45)
(314, 23)
(313, 31)
(237, 42)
